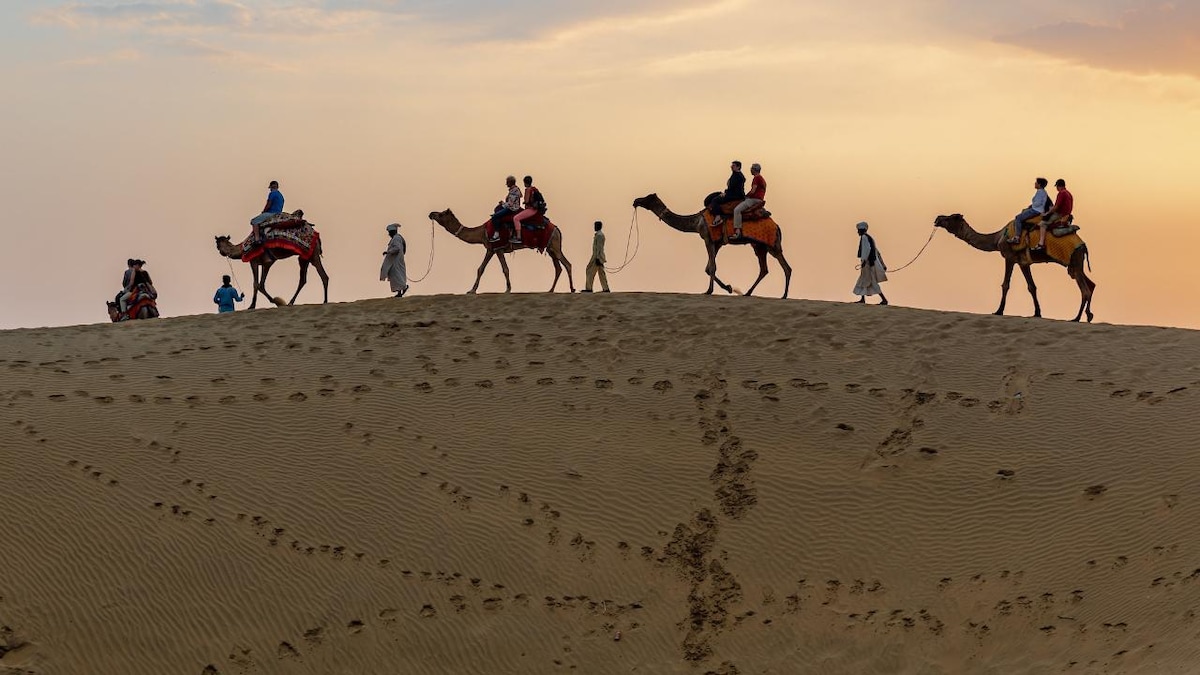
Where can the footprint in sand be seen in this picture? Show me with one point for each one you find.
(298, 397)
(287, 651)
(663, 385)
(428, 612)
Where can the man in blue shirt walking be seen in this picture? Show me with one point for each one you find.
(226, 295)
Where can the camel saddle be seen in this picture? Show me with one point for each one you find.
(1057, 228)
(1061, 239)
(302, 240)
(284, 221)
(535, 233)
(760, 213)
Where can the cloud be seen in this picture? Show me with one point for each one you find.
(1163, 38)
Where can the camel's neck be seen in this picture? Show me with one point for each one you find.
(979, 240)
(470, 235)
(675, 221)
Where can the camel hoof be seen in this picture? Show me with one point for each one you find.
(1089, 317)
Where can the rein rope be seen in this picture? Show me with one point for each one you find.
(919, 253)
(432, 240)
(635, 239)
(236, 284)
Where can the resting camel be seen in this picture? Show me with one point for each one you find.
(958, 226)
(234, 251)
(478, 235)
(694, 224)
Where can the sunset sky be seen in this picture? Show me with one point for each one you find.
(145, 128)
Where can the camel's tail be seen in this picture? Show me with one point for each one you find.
(1087, 257)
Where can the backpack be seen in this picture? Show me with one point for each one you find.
(539, 201)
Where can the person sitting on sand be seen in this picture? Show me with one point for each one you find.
(1039, 206)
(273, 207)
(510, 206)
(873, 271)
(1064, 206)
(226, 295)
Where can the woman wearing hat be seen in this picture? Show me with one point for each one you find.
(872, 270)
(394, 269)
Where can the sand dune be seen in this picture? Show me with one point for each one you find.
(503, 484)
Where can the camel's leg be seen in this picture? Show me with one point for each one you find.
(760, 252)
(1008, 270)
(711, 268)
(787, 269)
(557, 265)
(487, 258)
(320, 267)
(303, 280)
(556, 253)
(1086, 288)
(507, 278)
(254, 271)
(262, 282)
(1037, 307)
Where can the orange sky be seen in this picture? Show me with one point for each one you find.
(146, 129)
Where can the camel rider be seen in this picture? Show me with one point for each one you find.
(139, 279)
(1039, 206)
(535, 205)
(273, 207)
(127, 278)
(735, 191)
(127, 283)
(510, 206)
(1064, 206)
(754, 199)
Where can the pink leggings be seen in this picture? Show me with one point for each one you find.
(517, 219)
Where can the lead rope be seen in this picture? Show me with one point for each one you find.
(236, 284)
(635, 239)
(919, 253)
(429, 269)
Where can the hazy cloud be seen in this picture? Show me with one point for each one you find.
(1160, 38)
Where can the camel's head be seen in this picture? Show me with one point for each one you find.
(647, 202)
(114, 313)
(440, 216)
(951, 222)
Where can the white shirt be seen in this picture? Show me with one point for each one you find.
(1041, 201)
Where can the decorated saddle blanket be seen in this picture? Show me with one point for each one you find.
(141, 299)
(765, 231)
(301, 240)
(283, 221)
(1061, 240)
(535, 233)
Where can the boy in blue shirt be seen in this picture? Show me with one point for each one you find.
(226, 295)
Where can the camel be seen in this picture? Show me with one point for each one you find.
(478, 235)
(227, 248)
(694, 224)
(995, 242)
(146, 311)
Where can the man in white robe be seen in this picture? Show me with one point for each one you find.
(872, 270)
(394, 269)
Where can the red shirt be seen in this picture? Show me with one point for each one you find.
(758, 188)
(1064, 203)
